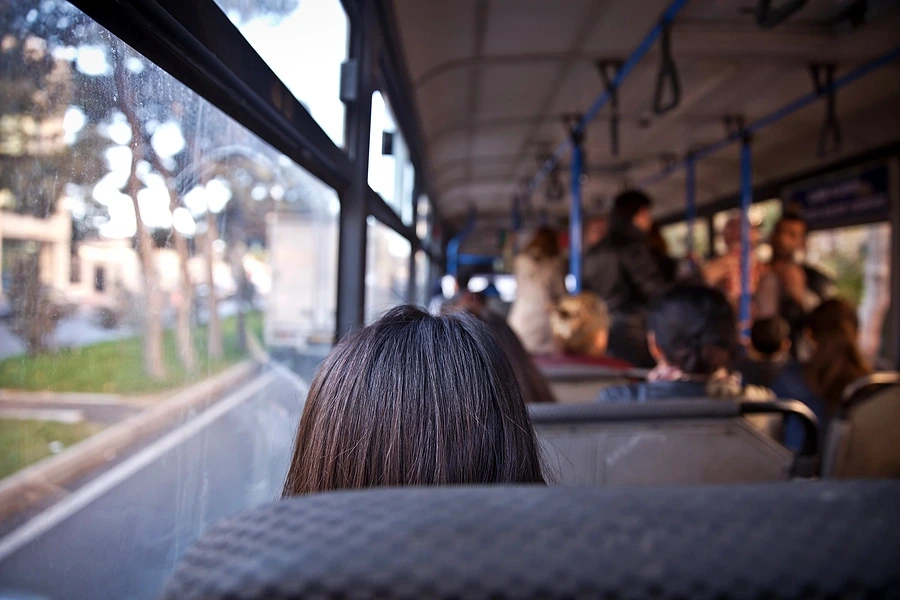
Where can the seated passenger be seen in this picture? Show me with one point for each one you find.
(835, 362)
(414, 399)
(535, 387)
(770, 350)
(693, 337)
(580, 326)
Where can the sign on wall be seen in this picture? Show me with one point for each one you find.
(844, 198)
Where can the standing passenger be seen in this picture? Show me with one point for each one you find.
(540, 281)
(623, 271)
(724, 272)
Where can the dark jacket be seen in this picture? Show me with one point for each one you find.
(623, 271)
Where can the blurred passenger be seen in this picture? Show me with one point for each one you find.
(835, 362)
(414, 399)
(769, 352)
(693, 336)
(580, 327)
(788, 288)
(668, 266)
(724, 272)
(540, 281)
(623, 271)
(595, 230)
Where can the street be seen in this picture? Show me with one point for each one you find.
(122, 533)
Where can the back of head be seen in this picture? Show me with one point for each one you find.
(578, 321)
(695, 329)
(625, 207)
(544, 244)
(414, 399)
(836, 360)
(768, 336)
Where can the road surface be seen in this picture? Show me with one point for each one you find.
(122, 533)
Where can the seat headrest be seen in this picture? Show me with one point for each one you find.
(814, 540)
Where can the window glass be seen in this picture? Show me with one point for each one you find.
(390, 171)
(282, 32)
(676, 234)
(199, 250)
(423, 291)
(858, 259)
(387, 269)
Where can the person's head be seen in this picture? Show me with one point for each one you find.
(580, 324)
(836, 361)
(771, 337)
(788, 237)
(414, 399)
(535, 388)
(595, 230)
(731, 234)
(692, 327)
(631, 209)
(544, 244)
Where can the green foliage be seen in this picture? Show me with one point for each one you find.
(117, 367)
(25, 442)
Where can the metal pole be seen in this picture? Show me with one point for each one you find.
(691, 200)
(575, 217)
(746, 201)
(354, 202)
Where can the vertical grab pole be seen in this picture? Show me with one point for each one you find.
(746, 201)
(690, 183)
(575, 218)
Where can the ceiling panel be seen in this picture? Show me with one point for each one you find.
(434, 32)
(543, 26)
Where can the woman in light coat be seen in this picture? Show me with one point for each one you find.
(540, 282)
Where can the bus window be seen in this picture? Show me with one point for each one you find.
(387, 269)
(391, 173)
(858, 259)
(319, 29)
(675, 236)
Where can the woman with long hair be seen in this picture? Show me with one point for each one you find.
(540, 283)
(834, 362)
(414, 399)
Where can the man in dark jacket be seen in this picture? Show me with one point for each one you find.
(623, 271)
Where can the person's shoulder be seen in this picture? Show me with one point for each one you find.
(619, 393)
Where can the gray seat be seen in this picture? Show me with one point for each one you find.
(782, 541)
(863, 439)
(580, 383)
(668, 442)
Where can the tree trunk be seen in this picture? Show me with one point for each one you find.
(214, 328)
(154, 365)
(183, 334)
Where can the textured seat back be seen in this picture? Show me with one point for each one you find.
(789, 540)
(865, 441)
(665, 442)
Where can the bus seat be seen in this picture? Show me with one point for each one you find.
(785, 540)
(575, 382)
(862, 439)
(692, 441)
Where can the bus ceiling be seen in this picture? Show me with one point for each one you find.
(504, 87)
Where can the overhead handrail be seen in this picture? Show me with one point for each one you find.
(774, 117)
(668, 72)
(823, 81)
(608, 70)
(768, 17)
(667, 17)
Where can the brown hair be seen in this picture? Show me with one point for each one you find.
(836, 361)
(544, 244)
(414, 399)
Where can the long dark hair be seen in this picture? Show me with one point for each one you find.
(836, 361)
(535, 387)
(695, 329)
(414, 399)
